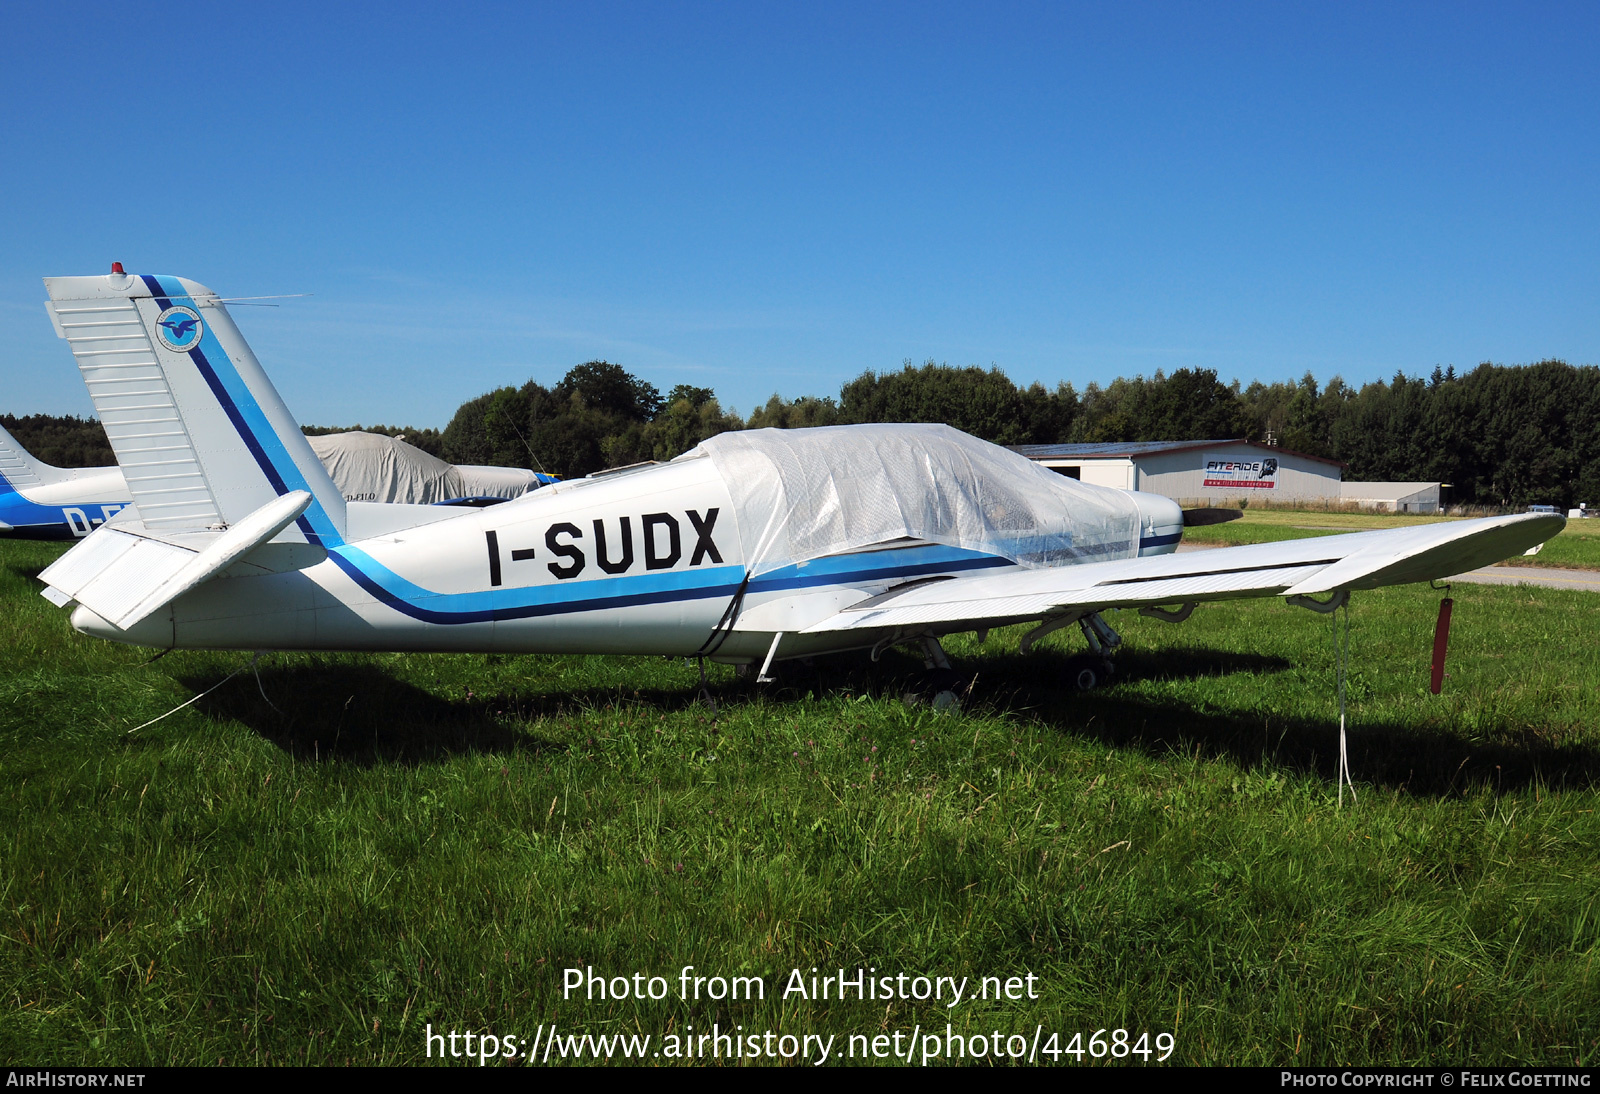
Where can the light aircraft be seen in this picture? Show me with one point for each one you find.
(753, 548)
(38, 501)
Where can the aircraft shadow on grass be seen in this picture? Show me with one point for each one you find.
(1417, 759)
(361, 713)
(29, 574)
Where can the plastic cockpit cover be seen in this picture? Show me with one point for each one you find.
(800, 494)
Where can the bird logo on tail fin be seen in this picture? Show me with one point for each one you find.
(179, 329)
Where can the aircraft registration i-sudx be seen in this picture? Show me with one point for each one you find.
(754, 547)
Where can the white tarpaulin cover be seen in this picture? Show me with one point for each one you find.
(799, 494)
(499, 482)
(372, 467)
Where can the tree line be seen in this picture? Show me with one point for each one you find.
(1500, 435)
(60, 440)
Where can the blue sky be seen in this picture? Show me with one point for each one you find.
(765, 198)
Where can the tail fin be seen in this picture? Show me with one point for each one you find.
(19, 468)
(200, 432)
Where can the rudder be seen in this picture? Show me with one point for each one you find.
(200, 432)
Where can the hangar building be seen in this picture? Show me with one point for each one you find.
(1198, 472)
(1396, 497)
(1226, 472)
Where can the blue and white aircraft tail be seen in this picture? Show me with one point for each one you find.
(19, 468)
(38, 501)
(756, 546)
(199, 431)
(208, 452)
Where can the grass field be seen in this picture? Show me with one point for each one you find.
(1576, 547)
(318, 869)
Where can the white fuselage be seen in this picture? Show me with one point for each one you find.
(639, 562)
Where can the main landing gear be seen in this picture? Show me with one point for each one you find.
(1087, 671)
(1084, 671)
(940, 685)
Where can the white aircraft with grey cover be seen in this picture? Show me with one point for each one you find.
(753, 548)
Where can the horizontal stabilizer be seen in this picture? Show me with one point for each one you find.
(122, 575)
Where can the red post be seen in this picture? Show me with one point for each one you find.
(1441, 642)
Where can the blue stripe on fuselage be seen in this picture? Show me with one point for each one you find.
(30, 520)
(619, 592)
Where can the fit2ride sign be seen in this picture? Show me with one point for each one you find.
(1255, 473)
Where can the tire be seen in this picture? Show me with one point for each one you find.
(1087, 673)
(939, 688)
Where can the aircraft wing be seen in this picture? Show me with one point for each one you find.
(1360, 560)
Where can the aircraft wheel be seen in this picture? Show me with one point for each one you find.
(1087, 673)
(940, 688)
